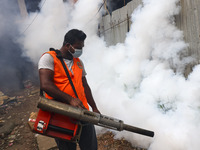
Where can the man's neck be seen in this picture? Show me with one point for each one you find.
(66, 54)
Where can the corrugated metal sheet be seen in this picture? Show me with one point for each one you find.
(189, 21)
(115, 27)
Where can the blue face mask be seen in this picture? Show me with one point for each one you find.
(77, 52)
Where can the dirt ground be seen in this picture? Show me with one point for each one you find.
(15, 133)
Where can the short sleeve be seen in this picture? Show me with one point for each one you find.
(46, 62)
(84, 72)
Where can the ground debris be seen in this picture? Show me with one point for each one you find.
(6, 128)
(15, 133)
(106, 141)
(3, 98)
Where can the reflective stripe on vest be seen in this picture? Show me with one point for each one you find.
(62, 82)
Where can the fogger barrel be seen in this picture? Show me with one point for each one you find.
(88, 116)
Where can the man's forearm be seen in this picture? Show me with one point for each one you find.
(88, 95)
(56, 93)
(90, 98)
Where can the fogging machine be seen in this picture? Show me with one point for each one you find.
(61, 120)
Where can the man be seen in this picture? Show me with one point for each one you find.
(55, 84)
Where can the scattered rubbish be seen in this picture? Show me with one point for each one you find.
(9, 117)
(37, 91)
(10, 143)
(4, 99)
(2, 122)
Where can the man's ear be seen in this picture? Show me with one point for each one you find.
(67, 45)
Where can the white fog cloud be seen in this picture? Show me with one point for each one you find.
(133, 81)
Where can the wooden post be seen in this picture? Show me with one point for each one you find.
(22, 7)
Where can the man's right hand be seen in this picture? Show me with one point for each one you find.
(77, 103)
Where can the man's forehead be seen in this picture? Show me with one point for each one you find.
(79, 43)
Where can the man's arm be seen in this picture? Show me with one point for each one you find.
(47, 85)
(89, 96)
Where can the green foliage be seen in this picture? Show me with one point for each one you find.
(165, 107)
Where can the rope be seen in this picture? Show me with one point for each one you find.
(128, 18)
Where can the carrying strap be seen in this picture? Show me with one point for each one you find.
(59, 56)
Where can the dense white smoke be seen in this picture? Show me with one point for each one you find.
(15, 68)
(133, 81)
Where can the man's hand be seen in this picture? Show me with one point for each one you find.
(77, 103)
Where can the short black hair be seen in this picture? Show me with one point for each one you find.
(74, 35)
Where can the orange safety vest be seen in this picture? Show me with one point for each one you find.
(62, 82)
